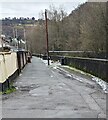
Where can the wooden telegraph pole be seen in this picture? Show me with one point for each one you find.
(46, 21)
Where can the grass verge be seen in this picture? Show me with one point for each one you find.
(10, 90)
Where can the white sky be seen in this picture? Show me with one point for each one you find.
(32, 8)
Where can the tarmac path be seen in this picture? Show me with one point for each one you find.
(45, 92)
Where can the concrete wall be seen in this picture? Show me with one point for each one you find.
(11, 64)
(8, 65)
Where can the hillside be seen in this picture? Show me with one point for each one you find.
(85, 29)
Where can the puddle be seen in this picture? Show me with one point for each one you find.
(28, 88)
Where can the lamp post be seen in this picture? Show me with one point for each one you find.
(47, 42)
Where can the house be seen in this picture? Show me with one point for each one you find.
(4, 43)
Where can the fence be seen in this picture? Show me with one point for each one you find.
(96, 67)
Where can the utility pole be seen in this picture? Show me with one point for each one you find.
(16, 35)
(25, 38)
(13, 32)
(46, 21)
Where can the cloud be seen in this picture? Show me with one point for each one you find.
(41, 1)
(30, 8)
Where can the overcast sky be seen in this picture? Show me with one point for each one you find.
(32, 8)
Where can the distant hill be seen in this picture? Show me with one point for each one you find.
(12, 21)
(9, 25)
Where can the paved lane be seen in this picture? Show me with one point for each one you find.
(43, 92)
